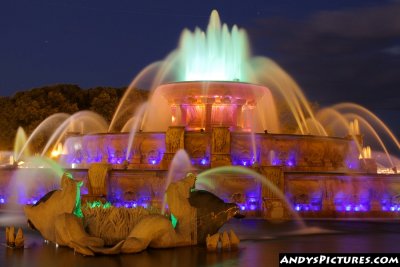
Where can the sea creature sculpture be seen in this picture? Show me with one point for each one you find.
(194, 214)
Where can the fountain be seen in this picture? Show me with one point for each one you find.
(214, 102)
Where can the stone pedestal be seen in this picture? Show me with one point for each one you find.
(273, 206)
(98, 182)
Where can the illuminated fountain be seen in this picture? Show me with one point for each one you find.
(224, 107)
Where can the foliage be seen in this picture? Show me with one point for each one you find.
(29, 108)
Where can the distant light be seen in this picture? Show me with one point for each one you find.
(348, 208)
(297, 208)
(203, 161)
(55, 153)
(243, 207)
(153, 161)
(2, 201)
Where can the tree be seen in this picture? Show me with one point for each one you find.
(29, 108)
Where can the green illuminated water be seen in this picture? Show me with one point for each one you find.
(218, 54)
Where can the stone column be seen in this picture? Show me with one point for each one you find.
(183, 114)
(208, 110)
(238, 113)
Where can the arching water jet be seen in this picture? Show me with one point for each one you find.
(260, 178)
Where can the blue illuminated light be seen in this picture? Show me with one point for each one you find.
(153, 160)
(307, 207)
(276, 162)
(252, 203)
(291, 161)
(353, 207)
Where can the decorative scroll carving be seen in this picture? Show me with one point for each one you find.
(97, 179)
(220, 140)
(174, 139)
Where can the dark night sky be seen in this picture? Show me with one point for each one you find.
(342, 50)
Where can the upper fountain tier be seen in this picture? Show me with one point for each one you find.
(204, 104)
(202, 92)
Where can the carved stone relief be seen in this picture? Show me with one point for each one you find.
(220, 140)
(174, 139)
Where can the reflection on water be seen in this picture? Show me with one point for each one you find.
(261, 244)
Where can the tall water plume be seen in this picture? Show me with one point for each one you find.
(217, 54)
